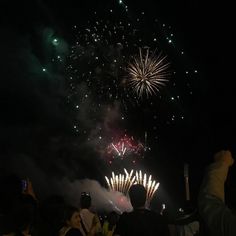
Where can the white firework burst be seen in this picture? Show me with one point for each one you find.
(148, 73)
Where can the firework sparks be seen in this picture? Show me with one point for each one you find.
(150, 185)
(122, 183)
(147, 73)
(125, 146)
(122, 150)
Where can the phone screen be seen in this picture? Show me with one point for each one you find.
(23, 184)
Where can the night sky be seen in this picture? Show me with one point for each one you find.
(63, 100)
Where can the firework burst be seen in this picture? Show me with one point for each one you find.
(147, 73)
(122, 183)
(124, 147)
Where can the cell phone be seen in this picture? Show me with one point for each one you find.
(23, 184)
(163, 206)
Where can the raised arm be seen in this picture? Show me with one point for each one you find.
(218, 217)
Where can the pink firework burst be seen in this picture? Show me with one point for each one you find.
(124, 147)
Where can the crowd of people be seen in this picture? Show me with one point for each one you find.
(22, 214)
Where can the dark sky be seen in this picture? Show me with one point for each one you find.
(35, 119)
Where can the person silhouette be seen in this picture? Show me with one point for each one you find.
(140, 221)
(219, 219)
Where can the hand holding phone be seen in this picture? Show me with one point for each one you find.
(24, 185)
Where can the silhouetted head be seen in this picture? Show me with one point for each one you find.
(72, 217)
(112, 218)
(137, 194)
(85, 200)
(19, 215)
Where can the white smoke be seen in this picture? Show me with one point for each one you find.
(102, 198)
(44, 185)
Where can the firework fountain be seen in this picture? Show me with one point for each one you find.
(122, 182)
